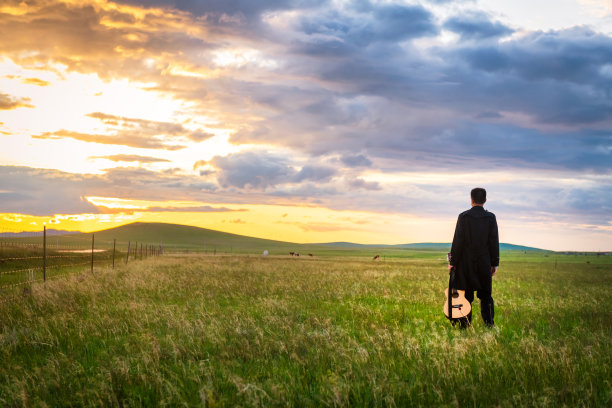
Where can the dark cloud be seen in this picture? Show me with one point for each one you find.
(314, 173)
(555, 77)
(358, 160)
(476, 26)
(43, 192)
(252, 169)
(359, 183)
(394, 22)
(229, 8)
(489, 115)
(343, 33)
(574, 55)
(260, 170)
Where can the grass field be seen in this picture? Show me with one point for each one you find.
(279, 331)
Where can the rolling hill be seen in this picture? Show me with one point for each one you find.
(438, 246)
(174, 237)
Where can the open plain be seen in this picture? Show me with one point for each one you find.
(204, 330)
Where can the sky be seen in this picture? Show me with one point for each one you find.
(309, 121)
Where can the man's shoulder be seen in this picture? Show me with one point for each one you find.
(476, 212)
(489, 214)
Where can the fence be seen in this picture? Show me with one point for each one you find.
(31, 257)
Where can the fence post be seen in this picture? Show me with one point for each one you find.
(127, 258)
(136, 251)
(114, 246)
(45, 253)
(92, 251)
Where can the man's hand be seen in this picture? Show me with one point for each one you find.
(493, 270)
(450, 267)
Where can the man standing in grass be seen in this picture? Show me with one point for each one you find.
(475, 255)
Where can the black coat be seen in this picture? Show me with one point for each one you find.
(475, 249)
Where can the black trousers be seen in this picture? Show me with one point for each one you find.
(487, 307)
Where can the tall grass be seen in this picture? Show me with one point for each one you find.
(226, 331)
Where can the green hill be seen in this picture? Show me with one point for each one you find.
(184, 237)
(436, 246)
(174, 237)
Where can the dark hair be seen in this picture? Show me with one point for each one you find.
(479, 195)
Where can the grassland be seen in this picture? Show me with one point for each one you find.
(208, 330)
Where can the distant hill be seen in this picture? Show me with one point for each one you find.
(50, 232)
(186, 237)
(428, 245)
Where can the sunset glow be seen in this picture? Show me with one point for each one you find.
(333, 121)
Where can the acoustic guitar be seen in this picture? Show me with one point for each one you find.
(459, 304)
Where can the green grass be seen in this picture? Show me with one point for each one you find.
(280, 331)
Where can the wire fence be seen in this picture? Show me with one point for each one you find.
(29, 257)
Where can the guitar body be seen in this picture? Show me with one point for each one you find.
(461, 307)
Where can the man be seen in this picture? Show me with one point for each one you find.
(475, 255)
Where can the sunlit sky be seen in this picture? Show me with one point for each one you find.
(317, 121)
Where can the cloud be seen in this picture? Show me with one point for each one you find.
(476, 26)
(314, 173)
(356, 161)
(489, 115)
(359, 183)
(252, 169)
(8, 102)
(47, 192)
(196, 209)
(131, 158)
(43, 192)
(260, 170)
(132, 132)
(199, 163)
(344, 89)
(35, 81)
(149, 127)
(131, 139)
(237, 221)
(574, 55)
(226, 9)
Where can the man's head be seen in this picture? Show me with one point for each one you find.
(479, 196)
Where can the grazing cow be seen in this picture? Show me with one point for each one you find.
(291, 253)
(376, 257)
(310, 255)
(296, 254)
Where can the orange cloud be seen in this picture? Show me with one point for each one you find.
(8, 102)
(127, 139)
(35, 81)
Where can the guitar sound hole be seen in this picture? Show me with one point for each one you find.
(455, 295)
